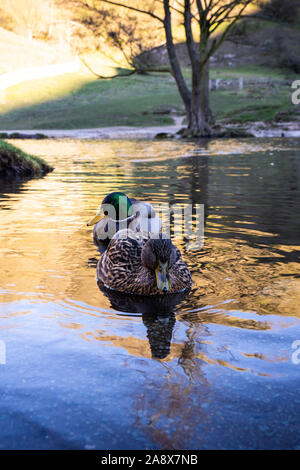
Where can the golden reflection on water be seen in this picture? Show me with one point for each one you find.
(45, 244)
(246, 276)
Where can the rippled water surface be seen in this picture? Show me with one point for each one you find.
(217, 369)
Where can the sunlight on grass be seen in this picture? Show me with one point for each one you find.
(39, 91)
(43, 90)
(79, 100)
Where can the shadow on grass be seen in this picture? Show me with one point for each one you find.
(76, 101)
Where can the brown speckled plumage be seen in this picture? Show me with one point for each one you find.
(121, 267)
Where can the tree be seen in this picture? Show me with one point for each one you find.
(116, 32)
(202, 20)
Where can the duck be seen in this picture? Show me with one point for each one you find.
(117, 211)
(135, 263)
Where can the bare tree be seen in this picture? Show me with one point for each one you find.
(117, 32)
(206, 24)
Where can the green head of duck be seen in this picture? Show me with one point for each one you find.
(115, 205)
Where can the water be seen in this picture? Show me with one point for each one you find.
(82, 369)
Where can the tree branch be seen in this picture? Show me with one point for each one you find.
(189, 35)
(223, 8)
(177, 73)
(128, 7)
(181, 12)
(217, 42)
(101, 77)
(225, 15)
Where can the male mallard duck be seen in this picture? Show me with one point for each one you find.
(116, 212)
(141, 265)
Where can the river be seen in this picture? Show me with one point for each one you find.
(218, 369)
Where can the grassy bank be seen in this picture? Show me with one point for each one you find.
(266, 96)
(80, 101)
(16, 163)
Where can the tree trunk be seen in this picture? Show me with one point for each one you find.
(174, 62)
(199, 113)
(196, 103)
(205, 95)
(198, 125)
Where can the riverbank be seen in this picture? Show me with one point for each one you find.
(14, 163)
(254, 129)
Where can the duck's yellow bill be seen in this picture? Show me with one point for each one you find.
(99, 215)
(94, 220)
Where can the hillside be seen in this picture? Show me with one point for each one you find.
(251, 42)
(18, 52)
(251, 76)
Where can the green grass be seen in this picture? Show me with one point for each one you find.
(260, 103)
(252, 72)
(80, 101)
(16, 163)
(76, 101)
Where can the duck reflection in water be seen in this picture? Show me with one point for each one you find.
(157, 315)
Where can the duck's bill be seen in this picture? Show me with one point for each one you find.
(94, 220)
(162, 279)
(99, 216)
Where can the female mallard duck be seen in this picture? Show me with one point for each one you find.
(118, 212)
(140, 265)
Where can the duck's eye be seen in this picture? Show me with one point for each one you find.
(105, 213)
